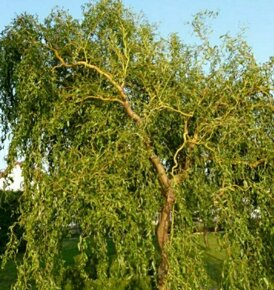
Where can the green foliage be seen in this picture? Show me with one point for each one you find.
(9, 213)
(90, 103)
(213, 259)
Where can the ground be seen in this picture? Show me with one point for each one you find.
(213, 259)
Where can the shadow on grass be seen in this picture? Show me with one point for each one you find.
(213, 267)
(213, 261)
(213, 258)
(8, 276)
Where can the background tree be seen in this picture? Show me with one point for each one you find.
(115, 125)
(9, 213)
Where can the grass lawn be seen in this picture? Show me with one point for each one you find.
(213, 259)
(7, 276)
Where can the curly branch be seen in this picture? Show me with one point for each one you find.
(107, 75)
(164, 106)
(100, 98)
(180, 149)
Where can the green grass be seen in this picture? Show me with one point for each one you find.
(213, 260)
(70, 250)
(7, 276)
(214, 256)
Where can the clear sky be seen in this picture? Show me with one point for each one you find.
(257, 16)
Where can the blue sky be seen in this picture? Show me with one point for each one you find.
(257, 16)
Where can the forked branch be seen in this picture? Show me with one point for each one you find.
(107, 75)
(165, 221)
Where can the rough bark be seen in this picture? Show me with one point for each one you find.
(165, 220)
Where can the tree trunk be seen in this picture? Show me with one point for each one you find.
(163, 238)
(164, 222)
(165, 218)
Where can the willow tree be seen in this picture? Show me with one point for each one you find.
(133, 137)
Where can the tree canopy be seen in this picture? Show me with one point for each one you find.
(134, 138)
